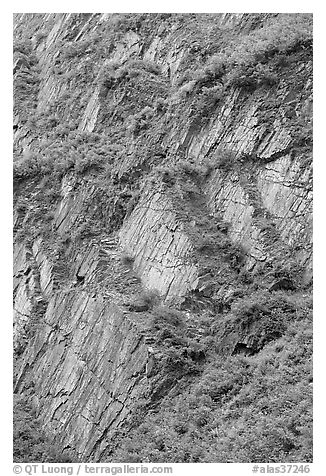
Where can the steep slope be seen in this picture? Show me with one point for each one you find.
(163, 255)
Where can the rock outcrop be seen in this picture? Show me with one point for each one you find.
(95, 375)
(123, 219)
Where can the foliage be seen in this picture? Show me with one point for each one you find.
(224, 159)
(24, 47)
(139, 121)
(26, 79)
(180, 353)
(150, 297)
(76, 49)
(78, 152)
(31, 444)
(113, 72)
(240, 409)
(247, 61)
(207, 99)
(127, 259)
(253, 77)
(40, 35)
(247, 58)
(262, 317)
(162, 314)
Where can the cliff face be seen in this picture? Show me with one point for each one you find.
(162, 164)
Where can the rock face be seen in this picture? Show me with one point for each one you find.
(283, 190)
(160, 247)
(97, 370)
(130, 228)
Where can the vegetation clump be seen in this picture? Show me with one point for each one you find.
(31, 444)
(218, 417)
(26, 79)
(250, 56)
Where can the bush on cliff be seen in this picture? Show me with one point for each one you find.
(244, 62)
(114, 72)
(26, 80)
(30, 442)
(240, 409)
(24, 47)
(76, 152)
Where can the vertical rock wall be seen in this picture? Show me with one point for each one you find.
(159, 246)
(92, 376)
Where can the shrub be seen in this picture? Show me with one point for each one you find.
(30, 166)
(288, 275)
(127, 260)
(262, 317)
(212, 71)
(80, 152)
(40, 35)
(239, 409)
(151, 297)
(244, 60)
(109, 74)
(206, 101)
(144, 65)
(91, 161)
(176, 360)
(224, 159)
(165, 315)
(24, 47)
(184, 91)
(139, 121)
(161, 105)
(195, 171)
(31, 444)
(113, 72)
(26, 80)
(252, 77)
